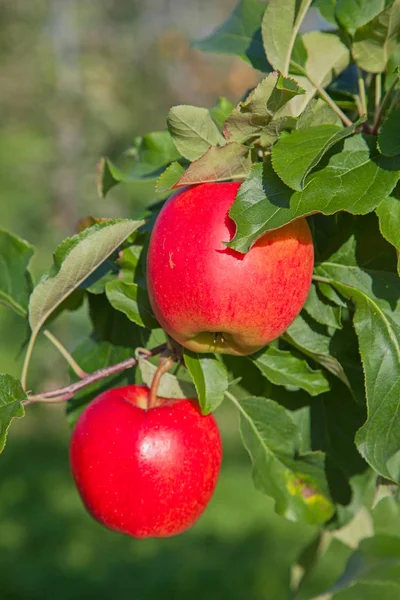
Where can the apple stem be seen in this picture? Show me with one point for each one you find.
(166, 363)
(65, 393)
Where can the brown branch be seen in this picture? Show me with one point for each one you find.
(65, 393)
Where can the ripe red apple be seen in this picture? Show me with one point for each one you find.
(145, 472)
(210, 298)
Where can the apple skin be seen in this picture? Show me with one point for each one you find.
(210, 298)
(145, 473)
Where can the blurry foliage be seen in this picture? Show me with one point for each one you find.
(79, 80)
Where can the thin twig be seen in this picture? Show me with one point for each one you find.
(358, 103)
(62, 394)
(361, 89)
(333, 105)
(383, 105)
(64, 352)
(27, 360)
(378, 93)
(325, 96)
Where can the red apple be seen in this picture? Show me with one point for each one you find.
(210, 298)
(145, 472)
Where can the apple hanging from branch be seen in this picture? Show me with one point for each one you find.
(210, 298)
(146, 471)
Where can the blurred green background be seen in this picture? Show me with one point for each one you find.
(79, 79)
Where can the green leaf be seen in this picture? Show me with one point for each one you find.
(389, 134)
(248, 122)
(240, 35)
(169, 177)
(392, 74)
(15, 279)
(370, 591)
(74, 260)
(356, 513)
(295, 155)
(261, 198)
(322, 311)
(295, 481)
(318, 112)
(11, 397)
(284, 368)
(274, 129)
(377, 559)
(334, 422)
(332, 295)
(210, 378)
(170, 386)
(389, 222)
(386, 516)
(315, 342)
(327, 57)
(150, 154)
(280, 25)
(107, 176)
(221, 111)
(327, 10)
(351, 181)
(375, 42)
(193, 130)
(223, 163)
(353, 14)
(321, 564)
(133, 301)
(377, 323)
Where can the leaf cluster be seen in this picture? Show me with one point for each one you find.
(318, 138)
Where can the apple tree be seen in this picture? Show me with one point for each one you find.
(317, 139)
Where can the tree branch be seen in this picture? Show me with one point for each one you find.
(325, 95)
(64, 352)
(65, 393)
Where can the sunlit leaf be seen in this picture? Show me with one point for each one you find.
(133, 301)
(249, 122)
(210, 378)
(351, 181)
(375, 42)
(280, 25)
(169, 177)
(223, 163)
(295, 155)
(353, 14)
(284, 368)
(74, 260)
(193, 130)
